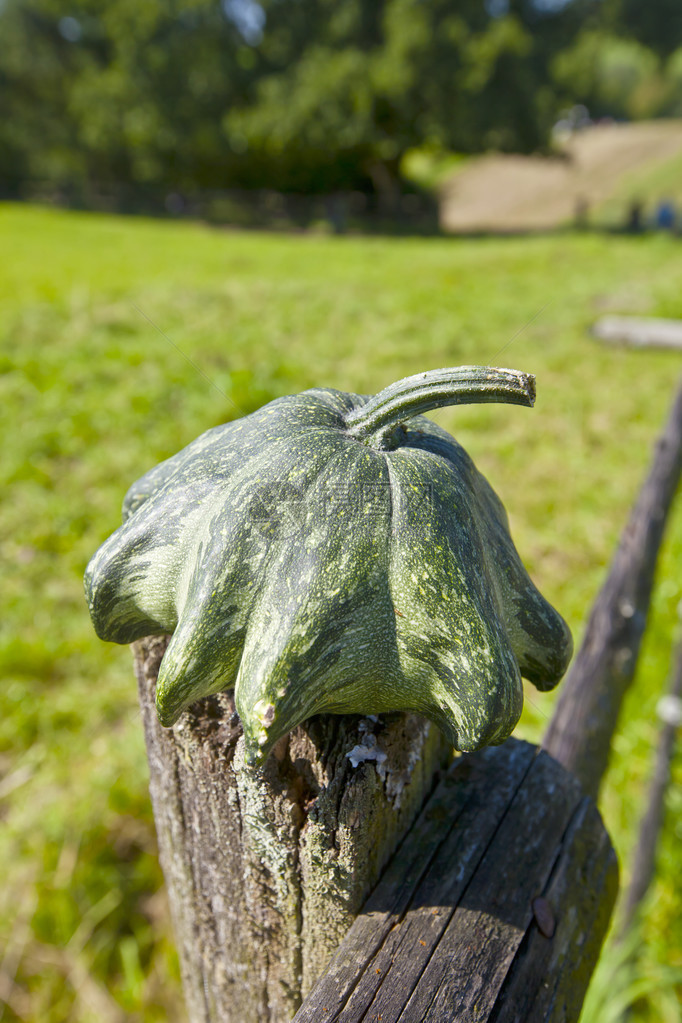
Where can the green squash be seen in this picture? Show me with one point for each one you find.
(333, 553)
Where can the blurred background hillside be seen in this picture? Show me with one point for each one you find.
(184, 107)
(141, 146)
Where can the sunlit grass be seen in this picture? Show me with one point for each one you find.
(120, 341)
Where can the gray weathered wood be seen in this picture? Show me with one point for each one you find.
(549, 977)
(639, 332)
(585, 718)
(265, 872)
(451, 932)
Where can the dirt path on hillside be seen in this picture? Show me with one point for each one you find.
(510, 193)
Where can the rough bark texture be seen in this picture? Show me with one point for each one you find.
(493, 909)
(580, 732)
(266, 871)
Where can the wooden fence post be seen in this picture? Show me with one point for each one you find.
(265, 873)
(580, 732)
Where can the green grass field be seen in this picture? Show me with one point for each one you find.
(120, 341)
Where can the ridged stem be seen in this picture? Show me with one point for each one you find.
(376, 420)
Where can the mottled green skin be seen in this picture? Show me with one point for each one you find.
(380, 581)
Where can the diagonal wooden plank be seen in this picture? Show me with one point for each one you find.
(397, 967)
(549, 976)
(467, 969)
(504, 922)
(424, 875)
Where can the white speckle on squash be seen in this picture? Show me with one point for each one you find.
(264, 713)
(441, 605)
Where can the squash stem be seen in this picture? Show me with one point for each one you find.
(381, 416)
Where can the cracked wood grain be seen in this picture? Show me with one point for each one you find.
(450, 932)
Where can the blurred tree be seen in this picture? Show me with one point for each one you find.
(359, 82)
(625, 61)
(305, 95)
(654, 23)
(128, 92)
(611, 75)
(673, 71)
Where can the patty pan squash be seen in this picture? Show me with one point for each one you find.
(333, 553)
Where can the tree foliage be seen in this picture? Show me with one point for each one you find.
(308, 95)
(124, 92)
(377, 79)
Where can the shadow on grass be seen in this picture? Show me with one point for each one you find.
(411, 213)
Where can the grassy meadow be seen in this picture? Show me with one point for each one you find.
(120, 341)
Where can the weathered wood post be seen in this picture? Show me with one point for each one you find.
(266, 873)
(580, 732)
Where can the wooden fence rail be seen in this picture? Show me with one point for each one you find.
(494, 907)
(582, 726)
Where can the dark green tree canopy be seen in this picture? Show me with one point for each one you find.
(301, 95)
